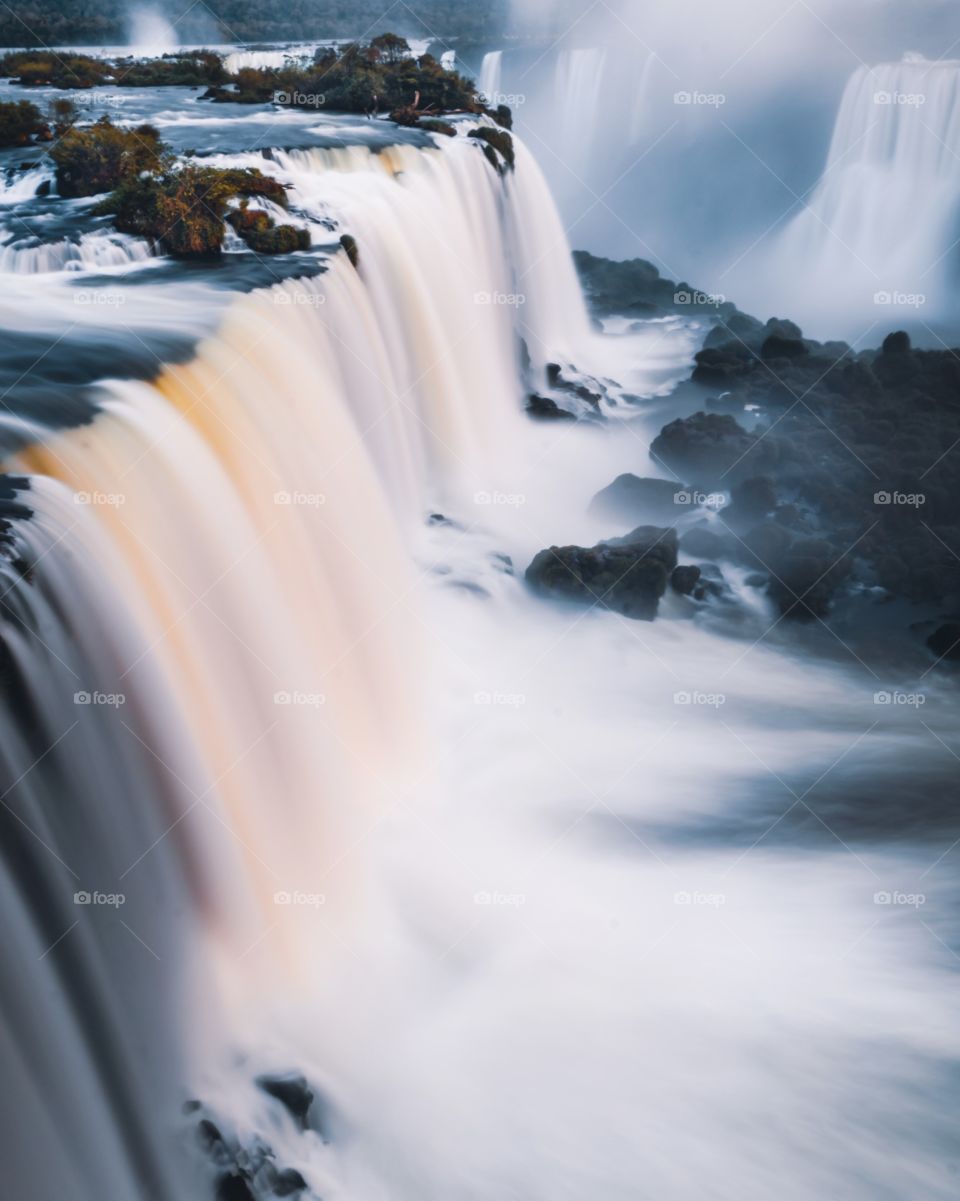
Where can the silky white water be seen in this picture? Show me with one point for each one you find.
(533, 926)
(876, 239)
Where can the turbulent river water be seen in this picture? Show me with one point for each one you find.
(298, 776)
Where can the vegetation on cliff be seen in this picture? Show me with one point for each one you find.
(22, 123)
(97, 158)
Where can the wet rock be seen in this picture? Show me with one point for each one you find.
(778, 347)
(351, 249)
(714, 449)
(751, 500)
(945, 642)
(684, 579)
(234, 1187)
(723, 366)
(628, 575)
(633, 499)
(292, 1091)
(288, 1182)
(805, 577)
(711, 584)
(896, 343)
(545, 409)
(707, 543)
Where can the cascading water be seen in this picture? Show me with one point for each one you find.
(92, 252)
(579, 81)
(880, 230)
(382, 816)
(491, 71)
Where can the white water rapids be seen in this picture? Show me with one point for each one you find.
(525, 921)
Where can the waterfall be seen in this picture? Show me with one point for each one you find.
(880, 227)
(95, 943)
(578, 82)
(91, 252)
(491, 73)
(151, 32)
(18, 186)
(263, 60)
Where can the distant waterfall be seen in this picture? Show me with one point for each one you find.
(491, 73)
(879, 229)
(578, 84)
(150, 31)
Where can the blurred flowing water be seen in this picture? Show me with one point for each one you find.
(545, 903)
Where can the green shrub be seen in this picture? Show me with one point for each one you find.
(20, 123)
(98, 157)
(498, 140)
(183, 210)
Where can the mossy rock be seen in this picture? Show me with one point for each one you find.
(277, 239)
(498, 140)
(99, 157)
(431, 125)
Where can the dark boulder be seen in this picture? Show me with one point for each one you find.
(288, 1183)
(292, 1091)
(633, 499)
(234, 1187)
(628, 575)
(723, 366)
(713, 449)
(684, 579)
(896, 343)
(710, 543)
(777, 347)
(750, 501)
(945, 642)
(805, 577)
(545, 409)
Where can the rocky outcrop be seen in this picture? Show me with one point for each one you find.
(628, 575)
(633, 499)
(714, 450)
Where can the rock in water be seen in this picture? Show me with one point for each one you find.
(628, 575)
(633, 499)
(684, 579)
(713, 449)
(292, 1091)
